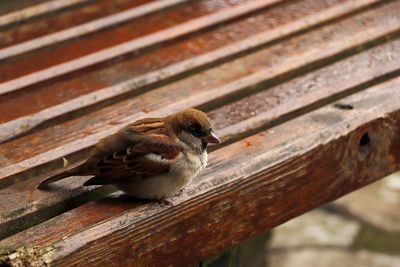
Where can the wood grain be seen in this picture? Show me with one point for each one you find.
(304, 95)
(208, 86)
(141, 72)
(36, 10)
(280, 174)
(86, 28)
(52, 22)
(131, 46)
(231, 121)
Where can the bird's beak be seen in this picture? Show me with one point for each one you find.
(212, 138)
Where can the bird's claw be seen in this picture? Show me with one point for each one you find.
(179, 193)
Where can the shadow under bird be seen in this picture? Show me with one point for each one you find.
(152, 158)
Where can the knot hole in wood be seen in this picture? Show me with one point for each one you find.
(364, 146)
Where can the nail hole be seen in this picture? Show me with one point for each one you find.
(343, 106)
(364, 146)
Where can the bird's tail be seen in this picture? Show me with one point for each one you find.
(78, 169)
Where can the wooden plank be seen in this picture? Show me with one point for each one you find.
(107, 38)
(36, 10)
(87, 28)
(325, 85)
(52, 22)
(168, 34)
(203, 87)
(11, 6)
(202, 49)
(231, 121)
(279, 175)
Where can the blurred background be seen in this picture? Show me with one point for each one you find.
(360, 229)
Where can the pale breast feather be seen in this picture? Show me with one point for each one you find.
(158, 159)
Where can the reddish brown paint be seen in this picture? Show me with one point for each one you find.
(236, 186)
(238, 118)
(72, 86)
(64, 19)
(276, 175)
(68, 51)
(202, 83)
(12, 6)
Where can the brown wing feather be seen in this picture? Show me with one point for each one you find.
(130, 158)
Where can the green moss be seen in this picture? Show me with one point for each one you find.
(378, 240)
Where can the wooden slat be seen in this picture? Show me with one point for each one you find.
(279, 59)
(135, 45)
(55, 100)
(231, 122)
(279, 174)
(11, 6)
(86, 28)
(36, 10)
(108, 38)
(52, 22)
(309, 91)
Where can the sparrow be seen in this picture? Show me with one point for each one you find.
(152, 158)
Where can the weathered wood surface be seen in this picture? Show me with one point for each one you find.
(202, 49)
(264, 65)
(280, 174)
(231, 121)
(306, 92)
(16, 12)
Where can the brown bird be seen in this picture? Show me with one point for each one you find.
(152, 158)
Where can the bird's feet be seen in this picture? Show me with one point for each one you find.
(165, 201)
(179, 193)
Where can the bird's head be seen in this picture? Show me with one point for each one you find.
(193, 128)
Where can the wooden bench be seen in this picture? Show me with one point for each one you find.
(304, 94)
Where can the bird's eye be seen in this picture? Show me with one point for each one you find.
(197, 132)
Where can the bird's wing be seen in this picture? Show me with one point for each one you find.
(140, 150)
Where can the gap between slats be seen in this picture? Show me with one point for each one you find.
(140, 223)
(272, 117)
(37, 10)
(18, 169)
(137, 85)
(87, 28)
(136, 44)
